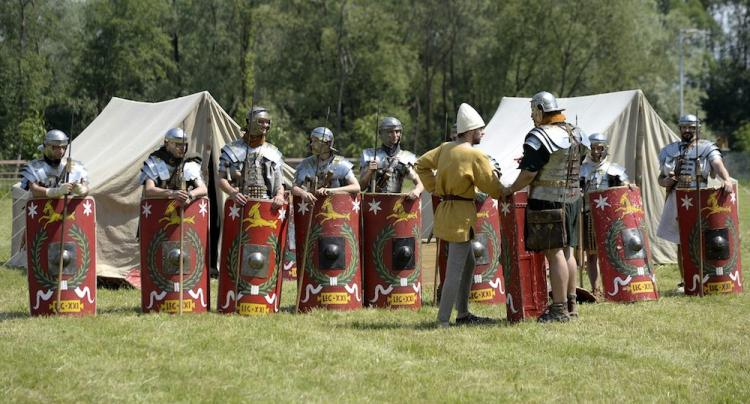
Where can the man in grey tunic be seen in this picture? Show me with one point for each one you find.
(389, 163)
(251, 167)
(597, 173)
(685, 164)
(47, 177)
(323, 173)
(168, 173)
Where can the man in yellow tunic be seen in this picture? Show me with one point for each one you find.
(453, 171)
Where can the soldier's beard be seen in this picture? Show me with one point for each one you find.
(392, 149)
(255, 140)
(687, 138)
(51, 161)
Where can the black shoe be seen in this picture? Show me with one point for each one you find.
(471, 319)
(556, 313)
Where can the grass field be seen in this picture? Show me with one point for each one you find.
(676, 349)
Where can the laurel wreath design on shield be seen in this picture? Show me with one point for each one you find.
(393, 280)
(350, 271)
(611, 247)
(694, 245)
(245, 286)
(506, 255)
(43, 278)
(162, 282)
(495, 258)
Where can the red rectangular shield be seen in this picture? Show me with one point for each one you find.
(709, 232)
(162, 287)
(49, 245)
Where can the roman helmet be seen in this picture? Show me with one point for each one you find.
(386, 125)
(546, 102)
(325, 136)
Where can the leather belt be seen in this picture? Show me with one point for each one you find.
(455, 198)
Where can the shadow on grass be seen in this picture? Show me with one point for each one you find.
(117, 310)
(421, 326)
(12, 315)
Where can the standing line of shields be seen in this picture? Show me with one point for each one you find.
(362, 250)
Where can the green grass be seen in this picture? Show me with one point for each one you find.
(676, 349)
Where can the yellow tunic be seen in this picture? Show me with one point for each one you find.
(460, 169)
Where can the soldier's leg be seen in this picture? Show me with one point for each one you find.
(558, 274)
(592, 268)
(572, 273)
(467, 275)
(457, 253)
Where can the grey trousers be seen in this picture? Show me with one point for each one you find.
(457, 284)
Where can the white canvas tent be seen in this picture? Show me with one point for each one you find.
(636, 135)
(113, 148)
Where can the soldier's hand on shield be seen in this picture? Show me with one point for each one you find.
(631, 186)
(412, 195)
(239, 198)
(63, 189)
(278, 201)
(323, 191)
(372, 165)
(181, 197)
(727, 187)
(309, 197)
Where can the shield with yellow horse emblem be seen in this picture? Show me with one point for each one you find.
(392, 236)
(174, 256)
(488, 281)
(252, 246)
(622, 244)
(61, 248)
(327, 235)
(709, 233)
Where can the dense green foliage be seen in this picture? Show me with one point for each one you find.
(341, 62)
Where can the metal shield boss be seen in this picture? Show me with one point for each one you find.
(252, 253)
(391, 238)
(328, 252)
(524, 274)
(174, 272)
(709, 229)
(488, 283)
(623, 250)
(55, 245)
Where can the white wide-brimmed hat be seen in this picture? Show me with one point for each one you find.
(468, 118)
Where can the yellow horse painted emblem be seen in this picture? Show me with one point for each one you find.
(51, 216)
(627, 207)
(171, 216)
(713, 205)
(399, 213)
(326, 210)
(254, 219)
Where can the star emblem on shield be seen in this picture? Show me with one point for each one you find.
(494, 203)
(32, 210)
(601, 203)
(234, 211)
(374, 207)
(146, 209)
(355, 205)
(733, 198)
(203, 208)
(687, 202)
(282, 214)
(303, 207)
(505, 208)
(87, 208)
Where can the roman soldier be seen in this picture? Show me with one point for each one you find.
(597, 173)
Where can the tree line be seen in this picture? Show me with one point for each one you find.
(344, 63)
